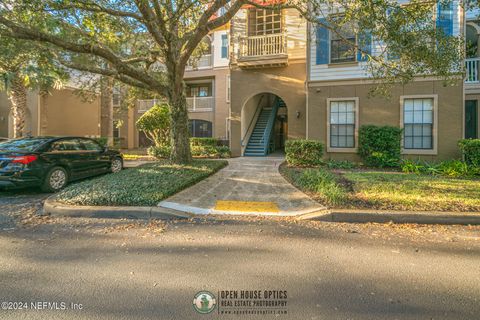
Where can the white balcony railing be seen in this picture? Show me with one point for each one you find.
(198, 104)
(205, 61)
(195, 104)
(145, 105)
(265, 45)
(472, 69)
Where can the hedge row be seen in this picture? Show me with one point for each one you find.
(200, 147)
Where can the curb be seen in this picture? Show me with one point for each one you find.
(58, 209)
(333, 215)
(177, 207)
(385, 216)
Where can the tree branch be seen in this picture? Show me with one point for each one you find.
(18, 31)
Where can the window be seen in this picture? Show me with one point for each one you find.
(91, 145)
(262, 22)
(199, 90)
(200, 128)
(224, 46)
(66, 145)
(342, 123)
(418, 123)
(116, 129)
(116, 97)
(340, 51)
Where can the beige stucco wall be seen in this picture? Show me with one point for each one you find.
(382, 111)
(64, 113)
(477, 98)
(6, 121)
(285, 82)
(222, 106)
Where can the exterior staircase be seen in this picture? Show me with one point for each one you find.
(261, 140)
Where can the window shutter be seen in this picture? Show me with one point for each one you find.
(445, 17)
(365, 44)
(322, 39)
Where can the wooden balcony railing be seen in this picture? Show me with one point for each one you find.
(265, 45)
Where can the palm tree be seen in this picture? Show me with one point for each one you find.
(24, 66)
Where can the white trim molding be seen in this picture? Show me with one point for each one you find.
(434, 150)
(357, 122)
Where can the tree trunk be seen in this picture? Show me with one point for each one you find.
(179, 135)
(18, 103)
(106, 109)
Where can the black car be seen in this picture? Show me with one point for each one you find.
(51, 162)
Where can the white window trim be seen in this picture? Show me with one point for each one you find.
(433, 151)
(357, 103)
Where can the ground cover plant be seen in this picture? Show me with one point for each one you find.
(145, 185)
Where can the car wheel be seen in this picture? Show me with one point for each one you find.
(56, 179)
(117, 165)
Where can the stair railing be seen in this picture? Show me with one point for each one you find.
(242, 142)
(267, 134)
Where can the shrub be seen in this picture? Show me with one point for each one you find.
(335, 164)
(304, 152)
(411, 166)
(471, 151)
(204, 151)
(380, 146)
(160, 152)
(209, 151)
(155, 123)
(204, 142)
(453, 168)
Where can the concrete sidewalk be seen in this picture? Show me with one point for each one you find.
(246, 180)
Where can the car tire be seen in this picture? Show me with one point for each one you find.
(55, 180)
(116, 165)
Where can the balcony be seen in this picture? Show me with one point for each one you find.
(204, 62)
(472, 71)
(195, 104)
(263, 51)
(145, 105)
(200, 104)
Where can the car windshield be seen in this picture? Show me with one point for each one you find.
(29, 144)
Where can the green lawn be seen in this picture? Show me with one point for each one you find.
(146, 185)
(386, 190)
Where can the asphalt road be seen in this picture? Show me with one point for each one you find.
(120, 269)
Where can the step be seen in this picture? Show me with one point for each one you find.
(254, 154)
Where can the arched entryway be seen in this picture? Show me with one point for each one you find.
(264, 124)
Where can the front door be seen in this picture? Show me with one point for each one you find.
(471, 119)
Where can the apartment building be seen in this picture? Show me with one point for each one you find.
(269, 76)
(268, 73)
(207, 82)
(472, 80)
(430, 113)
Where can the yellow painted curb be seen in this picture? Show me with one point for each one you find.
(246, 206)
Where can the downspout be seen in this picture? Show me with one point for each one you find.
(307, 82)
(39, 114)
